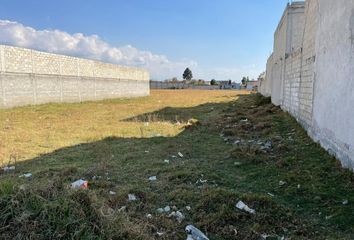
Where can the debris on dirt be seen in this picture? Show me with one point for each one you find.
(271, 194)
(26, 175)
(160, 234)
(178, 215)
(188, 208)
(146, 151)
(149, 216)
(267, 146)
(166, 209)
(242, 206)
(112, 193)
(167, 161)
(345, 202)
(180, 154)
(132, 197)
(237, 163)
(244, 120)
(79, 184)
(194, 233)
(237, 142)
(271, 237)
(152, 178)
(173, 156)
(9, 168)
(282, 183)
(122, 209)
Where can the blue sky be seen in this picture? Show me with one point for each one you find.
(222, 39)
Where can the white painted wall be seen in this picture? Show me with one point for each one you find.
(333, 111)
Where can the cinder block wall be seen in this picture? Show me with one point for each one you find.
(32, 77)
(317, 87)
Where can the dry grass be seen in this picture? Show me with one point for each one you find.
(116, 145)
(28, 132)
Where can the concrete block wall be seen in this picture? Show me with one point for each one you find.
(317, 87)
(31, 77)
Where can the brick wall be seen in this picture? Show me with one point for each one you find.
(32, 77)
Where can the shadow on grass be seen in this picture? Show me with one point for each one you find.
(211, 177)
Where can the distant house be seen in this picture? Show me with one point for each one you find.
(252, 85)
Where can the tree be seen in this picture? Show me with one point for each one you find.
(187, 75)
(213, 82)
(244, 81)
(230, 82)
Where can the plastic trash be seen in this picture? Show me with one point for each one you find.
(79, 184)
(149, 216)
(345, 202)
(167, 161)
(167, 209)
(194, 233)
(237, 163)
(26, 175)
(179, 216)
(188, 208)
(160, 234)
(9, 168)
(152, 178)
(242, 206)
(282, 183)
(132, 197)
(122, 209)
(180, 154)
(270, 194)
(112, 193)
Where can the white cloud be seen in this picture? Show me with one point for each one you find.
(92, 47)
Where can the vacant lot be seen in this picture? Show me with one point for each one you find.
(233, 147)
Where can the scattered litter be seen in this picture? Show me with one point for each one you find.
(9, 169)
(282, 183)
(345, 202)
(237, 142)
(122, 209)
(167, 161)
(160, 234)
(112, 193)
(242, 206)
(267, 146)
(329, 217)
(270, 194)
(194, 233)
(178, 215)
(152, 178)
(149, 216)
(26, 175)
(160, 210)
(237, 163)
(173, 156)
(167, 209)
(132, 197)
(298, 186)
(79, 184)
(180, 154)
(201, 181)
(269, 237)
(244, 120)
(188, 208)
(146, 151)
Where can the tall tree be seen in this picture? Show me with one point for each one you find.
(244, 80)
(213, 82)
(187, 75)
